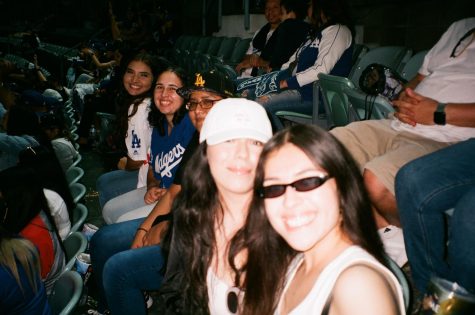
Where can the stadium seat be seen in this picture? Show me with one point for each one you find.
(66, 293)
(74, 244)
(78, 217)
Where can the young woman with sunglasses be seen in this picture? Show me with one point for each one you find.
(310, 236)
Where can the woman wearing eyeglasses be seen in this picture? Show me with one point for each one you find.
(310, 236)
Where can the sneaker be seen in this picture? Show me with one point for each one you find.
(393, 241)
(148, 299)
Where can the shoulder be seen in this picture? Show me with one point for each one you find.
(361, 289)
(339, 30)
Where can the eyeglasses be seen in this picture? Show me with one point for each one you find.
(204, 104)
(463, 43)
(304, 184)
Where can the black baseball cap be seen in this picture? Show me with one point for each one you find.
(211, 81)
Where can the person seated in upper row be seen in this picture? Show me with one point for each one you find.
(434, 111)
(425, 189)
(287, 37)
(328, 49)
(247, 67)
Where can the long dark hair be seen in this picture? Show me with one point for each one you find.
(47, 165)
(124, 100)
(195, 211)
(155, 118)
(24, 199)
(335, 11)
(264, 277)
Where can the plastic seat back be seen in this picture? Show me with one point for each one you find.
(203, 44)
(66, 293)
(337, 107)
(358, 51)
(401, 277)
(74, 244)
(239, 51)
(364, 104)
(226, 48)
(390, 56)
(78, 191)
(78, 217)
(74, 174)
(214, 44)
(77, 160)
(409, 69)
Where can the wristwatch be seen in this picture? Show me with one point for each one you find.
(439, 114)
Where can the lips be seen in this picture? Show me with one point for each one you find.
(240, 170)
(298, 221)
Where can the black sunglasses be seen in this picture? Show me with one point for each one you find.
(304, 184)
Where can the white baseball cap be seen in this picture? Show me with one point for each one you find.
(235, 118)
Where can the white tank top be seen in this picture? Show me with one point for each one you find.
(316, 299)
(218, 291)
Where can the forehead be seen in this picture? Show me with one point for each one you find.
(272, 4)
(168, 77)
(139, 66)
(204, 94)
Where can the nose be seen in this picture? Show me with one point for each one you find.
(242, 148)
(291, 197)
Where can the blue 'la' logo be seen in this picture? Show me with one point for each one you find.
(135, 140)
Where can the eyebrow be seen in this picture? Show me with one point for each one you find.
(167, 85)
(299, 173)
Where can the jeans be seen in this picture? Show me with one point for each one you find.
(288, 100)
(425, 189)
(118, 209)
(112, 184)
(122, 273)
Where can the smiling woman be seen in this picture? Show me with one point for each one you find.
(212, 206)
(310, 214)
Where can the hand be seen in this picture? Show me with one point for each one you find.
(122, 162)
(155, 234)
(153, 194)
(413, 108)
(283, 84)
(254, 60)
(138, 239)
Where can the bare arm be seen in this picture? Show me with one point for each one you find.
(152, 235)
(361, 290)
(131, 165)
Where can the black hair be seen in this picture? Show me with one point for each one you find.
(24, 199)
(299, 7)
(335, 11)
(264, 277)
(155, 118)
(51, 175)
(195, 211)
(124, 100)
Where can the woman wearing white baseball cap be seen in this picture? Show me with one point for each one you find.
(212, 207)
